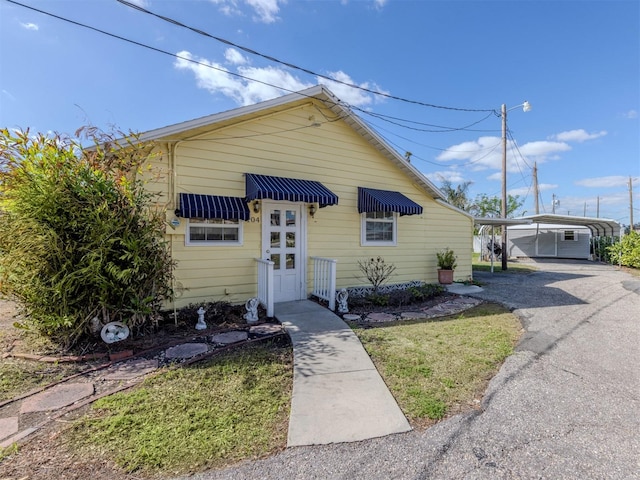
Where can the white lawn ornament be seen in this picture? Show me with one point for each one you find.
(201, 325)
(342, 297)
(114, 332)
(252, 310)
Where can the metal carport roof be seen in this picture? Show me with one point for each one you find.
(600, 227)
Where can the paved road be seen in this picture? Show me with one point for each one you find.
(566, 405)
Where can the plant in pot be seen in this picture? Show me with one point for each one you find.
(446, 266)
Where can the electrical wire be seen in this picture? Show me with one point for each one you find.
(441, 129)
(293, 66)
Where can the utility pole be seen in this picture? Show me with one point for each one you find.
(503, 212)
(584, 211)
(535, 186)
(630, 205)
(553, 203)
(597, 207)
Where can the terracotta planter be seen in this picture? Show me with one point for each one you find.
(445, 277)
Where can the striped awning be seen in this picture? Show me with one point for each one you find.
(291, 189)
(372, 200)
(213, 206)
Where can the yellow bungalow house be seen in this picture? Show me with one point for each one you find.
(279, 200)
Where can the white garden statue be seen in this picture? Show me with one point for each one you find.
(342, 297)
(201, 325)
(252, 310)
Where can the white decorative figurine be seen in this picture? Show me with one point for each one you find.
(252, 310)
(114, 332)
(201, 325)
(342, 297)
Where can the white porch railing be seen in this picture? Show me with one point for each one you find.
(265, 284)
(324, 280)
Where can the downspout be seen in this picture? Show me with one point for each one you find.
(171, 149)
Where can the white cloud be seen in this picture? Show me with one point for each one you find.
(350, 95)
(454, 176)
(631, 114)
(30, 26)
(234, 57)
(217, 79)
(486, 153)
(579, 136)
(379, 3)
(523, 191)
(266, 11)
(543, 150)
(604, 182)
(270, 82)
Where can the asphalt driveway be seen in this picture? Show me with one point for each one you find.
(566, 405)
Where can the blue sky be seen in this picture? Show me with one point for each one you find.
(576, 62)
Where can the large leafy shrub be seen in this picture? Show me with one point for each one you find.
(80, 237)
(627, 250)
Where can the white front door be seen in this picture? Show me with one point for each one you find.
(284, 243)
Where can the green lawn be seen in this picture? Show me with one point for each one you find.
(439, 367)
(208, 415)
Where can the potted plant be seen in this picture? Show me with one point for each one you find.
(446, 266)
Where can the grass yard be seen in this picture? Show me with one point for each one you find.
(437, 368)
(208, 415)
(236, 406)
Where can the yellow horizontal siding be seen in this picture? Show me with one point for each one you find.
(333, 154)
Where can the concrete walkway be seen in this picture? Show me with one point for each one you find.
(338, 395)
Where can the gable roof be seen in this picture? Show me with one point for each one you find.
(183, 130)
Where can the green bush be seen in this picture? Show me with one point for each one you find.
(80, 237)
(626, 251)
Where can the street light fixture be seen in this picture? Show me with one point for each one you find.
(526, 106)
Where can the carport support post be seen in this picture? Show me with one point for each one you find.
(503, 212)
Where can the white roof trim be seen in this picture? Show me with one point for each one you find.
(318, 92)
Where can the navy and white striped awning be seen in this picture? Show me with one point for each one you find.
(291, 189)
(372, 200)
(213, 206)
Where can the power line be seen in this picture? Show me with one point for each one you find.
(441, 129)
(293, 66)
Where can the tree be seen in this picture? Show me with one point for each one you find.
(486, 206)
(80, 236)
(456, 196)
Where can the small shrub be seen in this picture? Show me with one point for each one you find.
(426, 291)
(626, 251)
(376, 271)
(398, 298)
(378, 300)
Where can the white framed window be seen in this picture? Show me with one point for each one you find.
(570, 235)
(214, 231)
(379, 228)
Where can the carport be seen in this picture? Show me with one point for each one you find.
(599, 227)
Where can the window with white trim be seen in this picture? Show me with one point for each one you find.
(214, 231)
(379, 228)
(570, 235)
